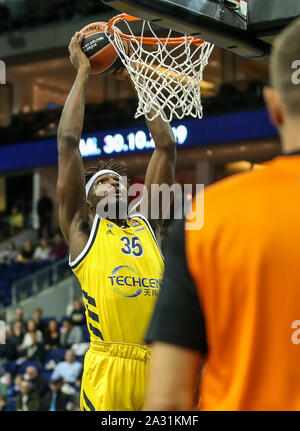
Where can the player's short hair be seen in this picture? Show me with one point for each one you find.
(119, 167)
(285, 52)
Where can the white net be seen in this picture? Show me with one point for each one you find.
(166, 72)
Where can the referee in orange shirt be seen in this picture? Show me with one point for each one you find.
(231, 293)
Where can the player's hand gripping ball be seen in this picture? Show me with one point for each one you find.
(100, 52)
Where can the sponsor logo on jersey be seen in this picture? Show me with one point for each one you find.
(110, 225)
(140, 228)
(135, 223)
(109, 232)
(150, 286)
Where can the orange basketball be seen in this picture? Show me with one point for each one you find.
(97, 47)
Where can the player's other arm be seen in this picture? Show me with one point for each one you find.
(161, 168)
(71, 184)
(173, 373)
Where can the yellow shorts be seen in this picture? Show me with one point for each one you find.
(115, 377)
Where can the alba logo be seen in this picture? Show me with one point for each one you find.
(128, 280)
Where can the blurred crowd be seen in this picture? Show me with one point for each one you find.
(43, 124)
(51, 245)
(31, 255)
(18, 264)
(42, 360)
(54, 249)
(20, 14)
(20, 217)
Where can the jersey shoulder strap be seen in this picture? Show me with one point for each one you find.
(95, 227)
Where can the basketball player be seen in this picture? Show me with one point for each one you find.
(117, 261)
(230, 295)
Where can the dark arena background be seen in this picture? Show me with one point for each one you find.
(42, 314)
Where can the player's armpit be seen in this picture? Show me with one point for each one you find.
(172, 380)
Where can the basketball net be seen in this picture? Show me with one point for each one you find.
(166, 72)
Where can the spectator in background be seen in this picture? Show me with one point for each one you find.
(10, 254)
(33, 343)
(45, 209)
(55, 400)
(25, 207)
(16, 221)
(28, 399)
(19, 317)
(3, 355)
(15, 389)
(3, 404)
(38, 383)
(70, 334)
(27, 252)
(59, 249)
(16, 9)
(14, 342)
(32, 335)
(5, 20)
(78, 314)
(69, 369)
(52, 336)
(4, 384)
(42, 252)
(37, 318)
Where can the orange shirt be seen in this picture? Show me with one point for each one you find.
(245, 262)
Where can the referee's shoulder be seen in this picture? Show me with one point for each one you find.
(242, 181)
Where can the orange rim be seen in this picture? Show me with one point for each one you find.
(150, 40)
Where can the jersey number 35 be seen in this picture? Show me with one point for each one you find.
(132, 246)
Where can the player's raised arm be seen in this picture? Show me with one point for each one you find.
(161, 167)
(71, 184)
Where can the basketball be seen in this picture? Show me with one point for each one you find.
(97, 47)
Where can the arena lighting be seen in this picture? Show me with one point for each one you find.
(241, 166)
(207, 85)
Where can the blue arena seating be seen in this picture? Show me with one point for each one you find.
(46, 374)
(56, 354)
(24, 365)
(17, 271)
(13, 368)
(47, 319)
(11, 404)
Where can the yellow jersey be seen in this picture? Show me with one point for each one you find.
(120, 272)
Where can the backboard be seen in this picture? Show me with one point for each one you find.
(246, 28)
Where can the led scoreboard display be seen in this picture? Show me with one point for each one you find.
(122, 142)
(215, 130)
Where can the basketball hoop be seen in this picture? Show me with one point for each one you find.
(166, 71)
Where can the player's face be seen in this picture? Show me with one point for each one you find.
(108, 187)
